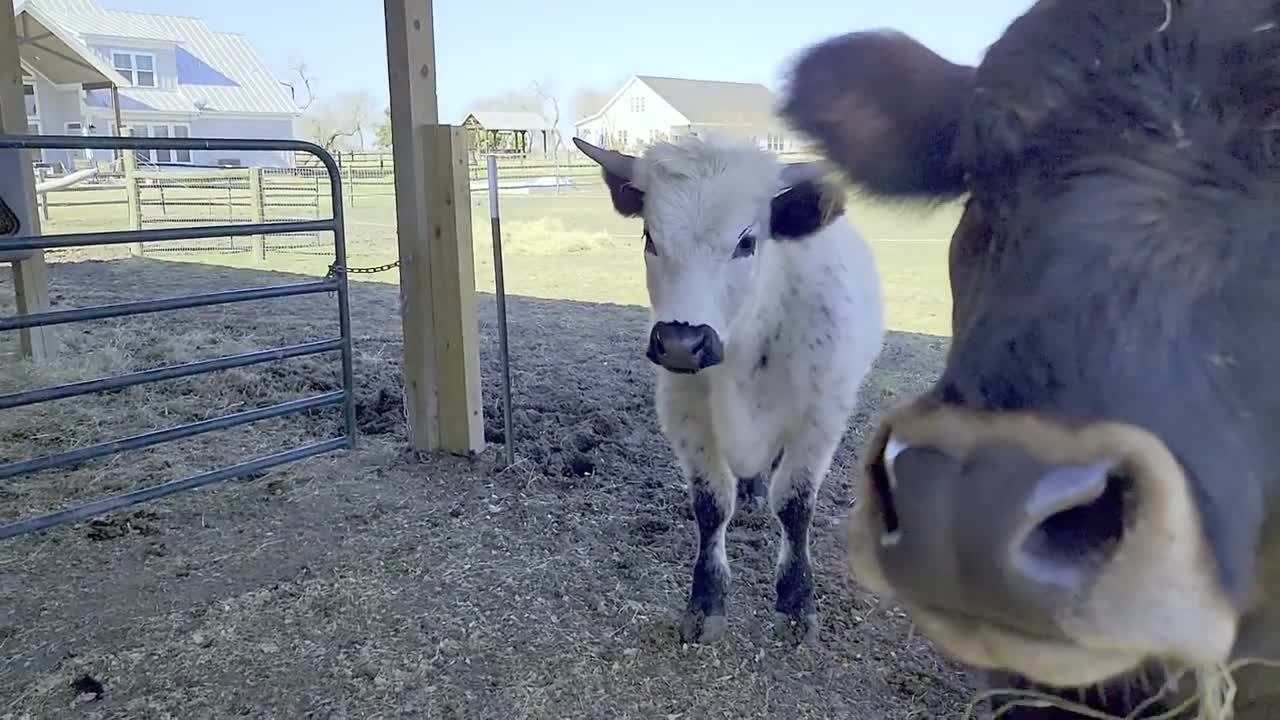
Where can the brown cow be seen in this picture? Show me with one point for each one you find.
(1090, 489)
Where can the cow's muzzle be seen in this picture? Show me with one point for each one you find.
(1066, 553)
(684, 348)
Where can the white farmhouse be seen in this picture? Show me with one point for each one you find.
(648, 108)
(162, 75)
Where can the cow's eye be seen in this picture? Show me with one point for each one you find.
(746, 246)
(649, 247)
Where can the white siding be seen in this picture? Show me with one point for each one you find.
(638, 115)
(55, 108)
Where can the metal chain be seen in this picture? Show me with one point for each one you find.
(335, 268)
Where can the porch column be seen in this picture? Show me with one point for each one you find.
(18, 188)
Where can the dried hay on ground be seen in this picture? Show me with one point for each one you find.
(378, 584)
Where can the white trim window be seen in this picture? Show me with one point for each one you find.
(637, 104)
(139, 68)
(165, 130)
(775, 142)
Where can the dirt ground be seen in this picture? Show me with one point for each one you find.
(379, 584)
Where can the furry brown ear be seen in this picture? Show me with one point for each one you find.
(885, 109)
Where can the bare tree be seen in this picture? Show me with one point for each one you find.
(588, 100)
(509, 101)
(549, 109)
(345, 116)
(303, 80)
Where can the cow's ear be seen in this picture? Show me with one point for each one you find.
(617, 169)
(885, 109)
(805, 207)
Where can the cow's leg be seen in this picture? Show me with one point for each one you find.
(712, 493)
(792, 493)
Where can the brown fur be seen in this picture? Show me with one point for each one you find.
(1113, 292)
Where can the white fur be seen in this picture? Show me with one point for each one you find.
(812, 306)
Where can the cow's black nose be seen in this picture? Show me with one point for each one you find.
(684, 348)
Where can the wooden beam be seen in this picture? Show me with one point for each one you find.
(132, 190)
(453, 289)
(437, 306)
(18, 188)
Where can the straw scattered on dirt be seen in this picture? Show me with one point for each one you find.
(382, 584)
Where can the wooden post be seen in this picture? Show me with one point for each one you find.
(453, 288)
(43, 198)
(257, 211)
(441, 357)
(115, 110)
(132, 190)
(18, 188)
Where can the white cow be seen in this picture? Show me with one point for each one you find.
(767, 316)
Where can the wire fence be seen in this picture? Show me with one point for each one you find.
(135, 194)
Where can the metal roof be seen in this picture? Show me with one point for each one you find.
(707, 102)
(220, 72)
(58, 54)
(500, 120)
(715, 102)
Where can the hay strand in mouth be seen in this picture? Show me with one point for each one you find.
(1215, 696)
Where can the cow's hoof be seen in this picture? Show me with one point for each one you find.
(797, 630)
(700, 629)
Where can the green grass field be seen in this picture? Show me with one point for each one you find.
(567, 246)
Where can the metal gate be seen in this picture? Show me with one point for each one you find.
(334, 282)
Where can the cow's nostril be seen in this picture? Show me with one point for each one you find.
(1083, 535)
(700, 348)
(656, 348)
(883, 489)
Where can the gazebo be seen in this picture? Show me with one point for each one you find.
(437, 279)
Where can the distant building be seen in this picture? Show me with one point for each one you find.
(522, 133)
(648, 108)
(175, 77)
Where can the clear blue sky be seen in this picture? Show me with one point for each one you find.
(484, 47)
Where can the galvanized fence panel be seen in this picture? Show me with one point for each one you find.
(334, 282)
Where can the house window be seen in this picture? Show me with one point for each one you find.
(139, 68)
(775, 142)
(637, 104)
(165, 131)
(29, 95)
(622, 138)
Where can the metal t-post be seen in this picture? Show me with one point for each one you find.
(501, 294)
